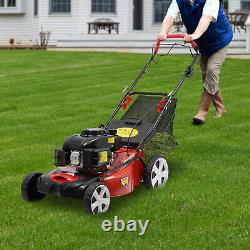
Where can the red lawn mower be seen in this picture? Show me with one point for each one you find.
(100, 163)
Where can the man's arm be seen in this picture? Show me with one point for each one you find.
(166, 26)
(201, 28)
(210, 14)
(168, 20)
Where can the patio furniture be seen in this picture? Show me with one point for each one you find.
(103, 24)
(238, 19)
(178, 24)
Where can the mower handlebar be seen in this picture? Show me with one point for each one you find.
(158, 42)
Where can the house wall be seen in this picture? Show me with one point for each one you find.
(150, 26)
(233, 5)
(76, 23)
(25, 27)
(57, 24)
(17, 25)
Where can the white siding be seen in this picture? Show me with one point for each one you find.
(233, 5)
(59, 24)
(17, 26)
(18, 9)
(26, 28)
(150, 25)
(35, 30)
(76, 23)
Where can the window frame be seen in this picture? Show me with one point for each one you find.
(64, 13)
(245, 2)
(104, 12)
(154, 12)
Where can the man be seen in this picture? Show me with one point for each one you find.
(207, 24)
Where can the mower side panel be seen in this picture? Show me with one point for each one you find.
(124, 180)
(74, 189)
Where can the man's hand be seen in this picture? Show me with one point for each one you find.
(200, 30)
(162, 36)
(190, 38)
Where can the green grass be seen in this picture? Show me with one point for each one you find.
(47, 96)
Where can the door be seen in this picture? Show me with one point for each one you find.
(138, 15)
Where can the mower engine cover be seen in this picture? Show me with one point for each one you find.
(90, 150)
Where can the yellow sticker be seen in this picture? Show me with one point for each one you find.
(124, 181)
(111, 140)
(127, 132)
(103, 157)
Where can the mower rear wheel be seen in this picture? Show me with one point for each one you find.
(29, 190)
(96, 198)
(156, 172)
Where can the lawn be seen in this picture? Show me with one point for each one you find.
(47, 96)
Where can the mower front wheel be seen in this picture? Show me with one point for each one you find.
(29, 190)
(156, 172)
(96, 198)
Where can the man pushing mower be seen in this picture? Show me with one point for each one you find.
(207, 24)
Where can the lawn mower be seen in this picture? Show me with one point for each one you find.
(108, 161)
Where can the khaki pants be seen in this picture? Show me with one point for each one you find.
(210, 69)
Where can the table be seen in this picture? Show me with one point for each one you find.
(178, 24)
(103, 24)
(238, 19)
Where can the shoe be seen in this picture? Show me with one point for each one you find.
(219, 115)
(197, 121)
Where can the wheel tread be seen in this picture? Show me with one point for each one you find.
(29, 190)
(148, 171)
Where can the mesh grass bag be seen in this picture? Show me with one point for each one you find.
(160, 144)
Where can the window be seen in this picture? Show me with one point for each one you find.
(225, 4)
(7, 3)
(245, 4)
(160, 9)
(11, 3)
(35, 7)
(12, 7)
(103, 6)
(60, 6)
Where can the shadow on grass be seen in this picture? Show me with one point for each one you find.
(76, 206)
(176, 168)
(60, 204)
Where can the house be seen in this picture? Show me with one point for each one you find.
(67, 20)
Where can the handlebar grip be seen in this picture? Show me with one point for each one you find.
(158, 43)
(194, 44)
(157, 47)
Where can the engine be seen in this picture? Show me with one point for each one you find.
(91, 150)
